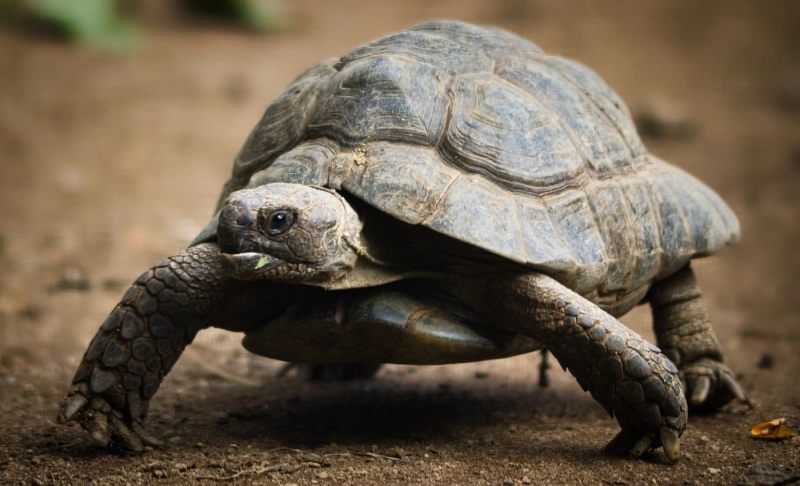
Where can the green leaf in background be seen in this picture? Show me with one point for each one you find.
(94, 23)
(260, 15)
(264, 15)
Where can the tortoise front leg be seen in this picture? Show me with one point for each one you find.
(139, 342)
(683, 330)
(625, 373)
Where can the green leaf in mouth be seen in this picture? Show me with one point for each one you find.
(264, 260)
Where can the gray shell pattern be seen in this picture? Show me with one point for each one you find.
(478, 134)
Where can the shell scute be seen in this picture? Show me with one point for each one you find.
(283, 124)
(605, 197)
(674, 233)
(607, 101)
(644, 220)
(572, 213)
(498, 130)
(596, 136)
(383, 98)
(405, 181)
(473, 210)
(308, 164)
(544, 245)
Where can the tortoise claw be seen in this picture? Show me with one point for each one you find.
(730, 383)
(129, 439)
(671, 443)
(700, 389)
(642, 445)
(98, 429)
(711, 385)
(145, 436)
(71, 407)
(104, 423)
(627, 443)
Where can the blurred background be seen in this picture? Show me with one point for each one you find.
(119, 122)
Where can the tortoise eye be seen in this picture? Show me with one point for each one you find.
(279, 222)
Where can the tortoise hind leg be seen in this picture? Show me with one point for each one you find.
(684, 333)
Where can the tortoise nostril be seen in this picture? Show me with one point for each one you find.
(245, 219)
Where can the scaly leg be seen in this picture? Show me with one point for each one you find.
(683, 330)
(626, 374)
(143, 337)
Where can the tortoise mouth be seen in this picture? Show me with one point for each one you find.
(249, 265)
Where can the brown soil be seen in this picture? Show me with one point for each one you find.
(111, 163)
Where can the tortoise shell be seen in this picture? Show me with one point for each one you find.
(479, 135)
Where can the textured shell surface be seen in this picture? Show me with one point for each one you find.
(479, 135)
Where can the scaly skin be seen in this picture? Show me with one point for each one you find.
(683, 330)
(630, 377)
(138, 344)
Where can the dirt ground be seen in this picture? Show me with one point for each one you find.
(110, 163)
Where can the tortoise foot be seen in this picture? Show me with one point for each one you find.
(103, 421)
(137, 345)
(709, 384)
(636, 444)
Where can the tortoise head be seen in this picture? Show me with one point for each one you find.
(288, 233)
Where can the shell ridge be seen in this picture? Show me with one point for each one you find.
(671, 254)
(596, 219)
(518, 219)
(568, 211)
(642, 251)
(548, 60)
(557, 120)
(386, 90)
(562, 242)
(473, 147)
(653, 205)
(681, 210)
(629, 224)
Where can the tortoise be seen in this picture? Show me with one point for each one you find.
(448, 193)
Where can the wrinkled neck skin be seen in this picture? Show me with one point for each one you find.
(289, 233)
